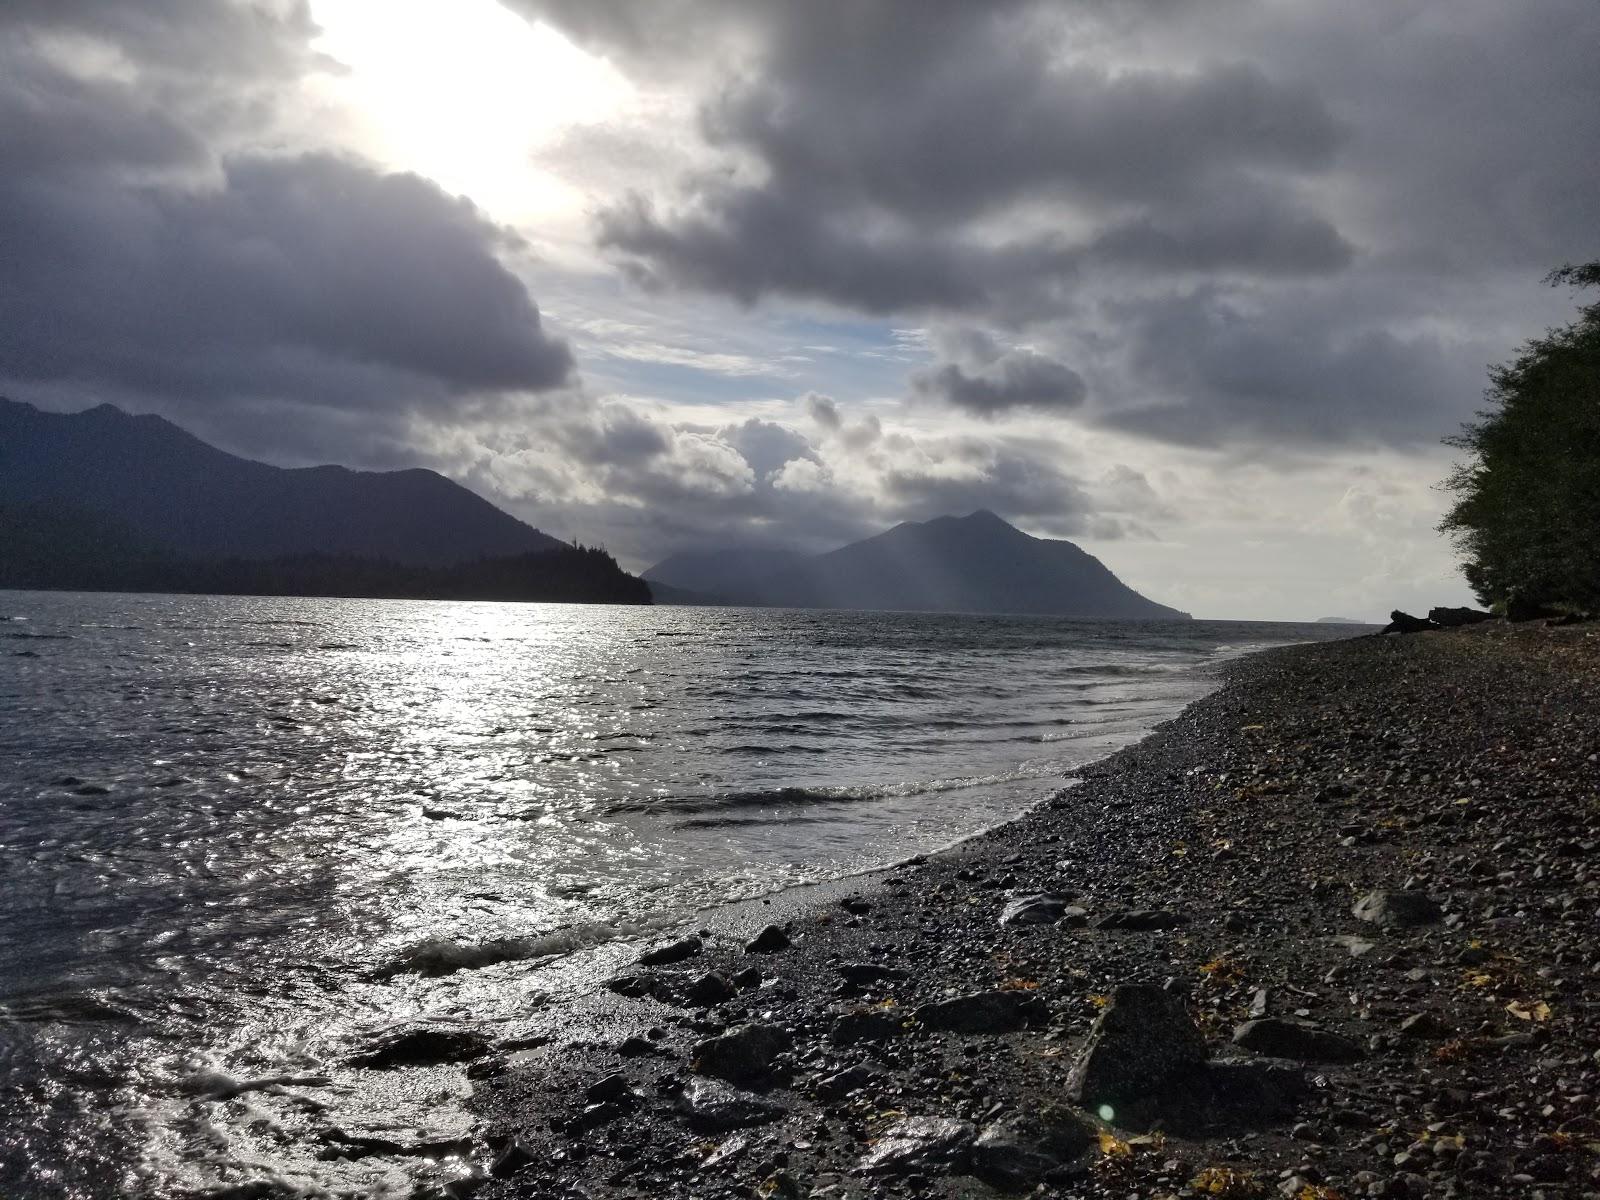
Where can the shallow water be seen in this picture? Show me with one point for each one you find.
(240, 834)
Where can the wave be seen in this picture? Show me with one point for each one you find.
(800, 797)
(445, 956)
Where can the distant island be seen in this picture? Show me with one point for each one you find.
(973, 564)
(1341, 621)
(102, 500)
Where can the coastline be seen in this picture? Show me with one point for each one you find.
(1249, 825)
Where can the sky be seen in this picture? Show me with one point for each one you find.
(1200, 286)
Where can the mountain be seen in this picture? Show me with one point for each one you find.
(169, 488)
(976, 563)
(720, 572)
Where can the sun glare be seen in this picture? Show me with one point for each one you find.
(464, 92)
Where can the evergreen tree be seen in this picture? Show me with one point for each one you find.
(1526, 517)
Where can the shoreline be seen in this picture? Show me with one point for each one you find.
(1188, 823)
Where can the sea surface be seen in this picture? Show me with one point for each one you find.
(239, 837)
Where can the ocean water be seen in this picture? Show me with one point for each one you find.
(239, 835)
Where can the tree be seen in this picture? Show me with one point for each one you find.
(1526, 518)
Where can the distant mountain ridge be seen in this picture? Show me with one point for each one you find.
(978, 563)
(168, 487)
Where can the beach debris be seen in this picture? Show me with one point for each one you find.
(1397, 909)
(1301, 1040)
(918, 1144)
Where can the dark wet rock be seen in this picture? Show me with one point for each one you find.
(516, 1155)
(637, 1047)
(769, 941)
(1403, 622)
(866, 974)
(1143, 1040)
(983, 1012)
(672, 952)
(1142, 920)
(612, 1087)
(1279, 1038)
(855, 906)
(1018, 1152)
(421, 1045)
(868, 1025)
(841, 1083)
(1397, 909)
(708, 989)
(1041, 908)
(744, 1055)
(1425, 1026)
(748, 978)
(635, 985)
(712, 1106)
(1250, 1093)
(1451, 618)
(917, 1144)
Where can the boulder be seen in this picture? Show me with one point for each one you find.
(420, 1045)
(868, 1025)
(713, 1107)
(672, 952)
(1142, 1041)
(746, 1054)
(769, 941)
(708, 989)
(1017, 1152)
(1299, 1040)
(917, 1144)
(983, 1012)
(865, 974)
(1041, 908)
(1397, 910)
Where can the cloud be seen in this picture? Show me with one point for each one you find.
(988, 380)
(159, 252)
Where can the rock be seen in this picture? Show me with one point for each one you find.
(1424, 1025)
(513, 1158)
(841, 1083)
(1141, 920)
(1142, 1041)
(713, 1107)
(636, 1047)
(748, 978)
(710, 988)
(1397, 909)
(1401, 622)
(635, 985)
(1017, 1152)
(855, 906)
(1252, 1092)
(672, 952)
(1451, 618)
(744, 1055)
(983, 1012)
(868, 1025)
(1041, 908)
(612, 1087)
(421, 1045)
(769, 941)
(916, 1144)
(868, 974)
(1278, 1038)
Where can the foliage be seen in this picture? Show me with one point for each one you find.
(1527, 500)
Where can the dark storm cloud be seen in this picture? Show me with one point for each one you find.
(148, 262)
(894, 139)
(988, 380)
